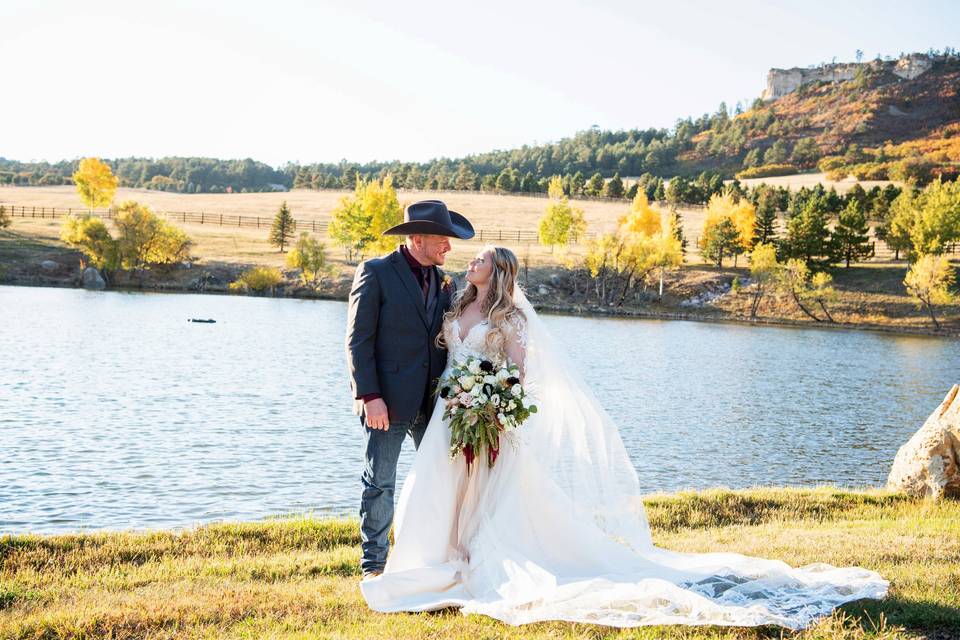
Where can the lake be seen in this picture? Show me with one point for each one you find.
(116, 412)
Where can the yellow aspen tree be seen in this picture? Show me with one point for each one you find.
(928, 282)
(95, 182)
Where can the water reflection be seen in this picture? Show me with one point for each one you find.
(115, 412)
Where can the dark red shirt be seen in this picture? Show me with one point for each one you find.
(420, 273)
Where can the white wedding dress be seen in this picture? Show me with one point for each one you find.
(557, 529)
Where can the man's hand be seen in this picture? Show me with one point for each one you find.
(376, 412)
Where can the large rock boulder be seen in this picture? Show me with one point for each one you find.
(926, 466)
(91, 279)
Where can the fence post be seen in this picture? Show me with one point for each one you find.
(201, 217)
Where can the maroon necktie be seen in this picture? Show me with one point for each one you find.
(425, 282)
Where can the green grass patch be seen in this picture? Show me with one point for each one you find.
(297, 577)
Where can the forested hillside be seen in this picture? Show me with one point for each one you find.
(873, 124)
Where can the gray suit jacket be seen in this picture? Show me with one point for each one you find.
(391, 336)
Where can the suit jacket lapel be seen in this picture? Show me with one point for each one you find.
(438, 309)
(410, 283)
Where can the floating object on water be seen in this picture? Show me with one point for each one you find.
(207, 321)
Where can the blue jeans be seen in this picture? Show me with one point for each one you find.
(379, 480)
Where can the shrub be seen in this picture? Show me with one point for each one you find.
(257, 279)
(90, 235)
(767, 170)
(310, 256)
(145, 239)
(918, 171)
(830, 163)
(869, 171)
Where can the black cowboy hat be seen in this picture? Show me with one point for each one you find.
(432, 217)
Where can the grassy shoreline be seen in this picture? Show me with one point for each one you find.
(297, 577)
(720, 316)
(871, 296)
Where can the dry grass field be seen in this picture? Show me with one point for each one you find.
(870, 293)
(808, 180)
(297, 578)
(490, 213)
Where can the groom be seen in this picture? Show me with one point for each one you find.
(395, 312)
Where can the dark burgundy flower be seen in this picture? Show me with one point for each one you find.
(512, 381)
(486, 366)
(445, 392)
(492, 454)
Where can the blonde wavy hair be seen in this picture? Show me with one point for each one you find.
(498, 305)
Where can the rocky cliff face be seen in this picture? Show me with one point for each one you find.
(781, 82)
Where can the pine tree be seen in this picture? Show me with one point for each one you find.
(614, 188)
(721, 240)
(595, 186)
(465, 179)
(808, 237)
(577, 182)
(675, 226)
(659, 194)
(752, 159)
(505, 181)
(851, 237)
(777, 154)
(283, 226)
(765, 228)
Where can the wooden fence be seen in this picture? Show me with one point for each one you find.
(519, 236)
(255, 222)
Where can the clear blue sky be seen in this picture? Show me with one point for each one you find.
(319, 81)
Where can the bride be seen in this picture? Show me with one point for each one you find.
(556, 529)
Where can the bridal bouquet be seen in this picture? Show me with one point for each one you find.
(482, 401)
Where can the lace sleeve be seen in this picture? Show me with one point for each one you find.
(517, 343)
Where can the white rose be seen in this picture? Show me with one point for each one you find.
(516, 389)
(489, 379)
(495, 399)
(502, 375)
(475, 391)
(467, 382)
(473, 367)
(478, 401)
(502, 418)
(511, 406)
